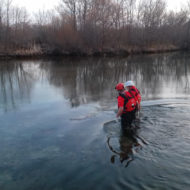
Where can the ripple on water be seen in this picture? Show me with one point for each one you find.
(164, 162)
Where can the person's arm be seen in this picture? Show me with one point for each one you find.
(120, 111)
(120, 106)
(139, 107)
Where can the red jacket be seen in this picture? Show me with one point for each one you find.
(136, 93)
(126, 101)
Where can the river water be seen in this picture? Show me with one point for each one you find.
(58, 128)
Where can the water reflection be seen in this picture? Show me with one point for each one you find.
(127, 146)
(15, 84)
(122, 144)
(40, 137)
(83, 81)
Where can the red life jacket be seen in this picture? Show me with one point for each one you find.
(129, 101)
(136, 93)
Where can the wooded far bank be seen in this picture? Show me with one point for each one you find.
(94, 27)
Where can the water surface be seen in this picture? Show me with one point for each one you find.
(58, 128)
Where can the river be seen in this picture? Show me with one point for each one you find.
(58, 128)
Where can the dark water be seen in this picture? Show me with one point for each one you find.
(58, 128)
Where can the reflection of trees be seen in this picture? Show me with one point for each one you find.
(15, 84)
(94, 79)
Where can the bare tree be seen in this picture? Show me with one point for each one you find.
(71, 11)
(8, 29)
(92, 26)
(1, 19)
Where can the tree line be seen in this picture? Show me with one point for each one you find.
(94, 27)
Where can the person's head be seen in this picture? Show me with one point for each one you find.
(120, 87)
(129, 84)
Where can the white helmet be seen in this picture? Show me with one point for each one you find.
(129, 83)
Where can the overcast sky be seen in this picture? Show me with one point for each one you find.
(35, 5)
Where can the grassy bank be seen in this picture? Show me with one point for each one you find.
(38, 51)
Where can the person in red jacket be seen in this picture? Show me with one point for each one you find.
(126, 106)
(135, 92)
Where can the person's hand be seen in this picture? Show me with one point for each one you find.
(117, 119)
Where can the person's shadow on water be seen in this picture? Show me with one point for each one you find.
(127, 145)
(126, 149)
(128, 139)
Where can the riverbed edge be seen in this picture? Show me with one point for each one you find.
(102, 53)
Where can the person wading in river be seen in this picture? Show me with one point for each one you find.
(126, 107)
(130, 86)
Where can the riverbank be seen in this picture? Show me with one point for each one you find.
(38, 51)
